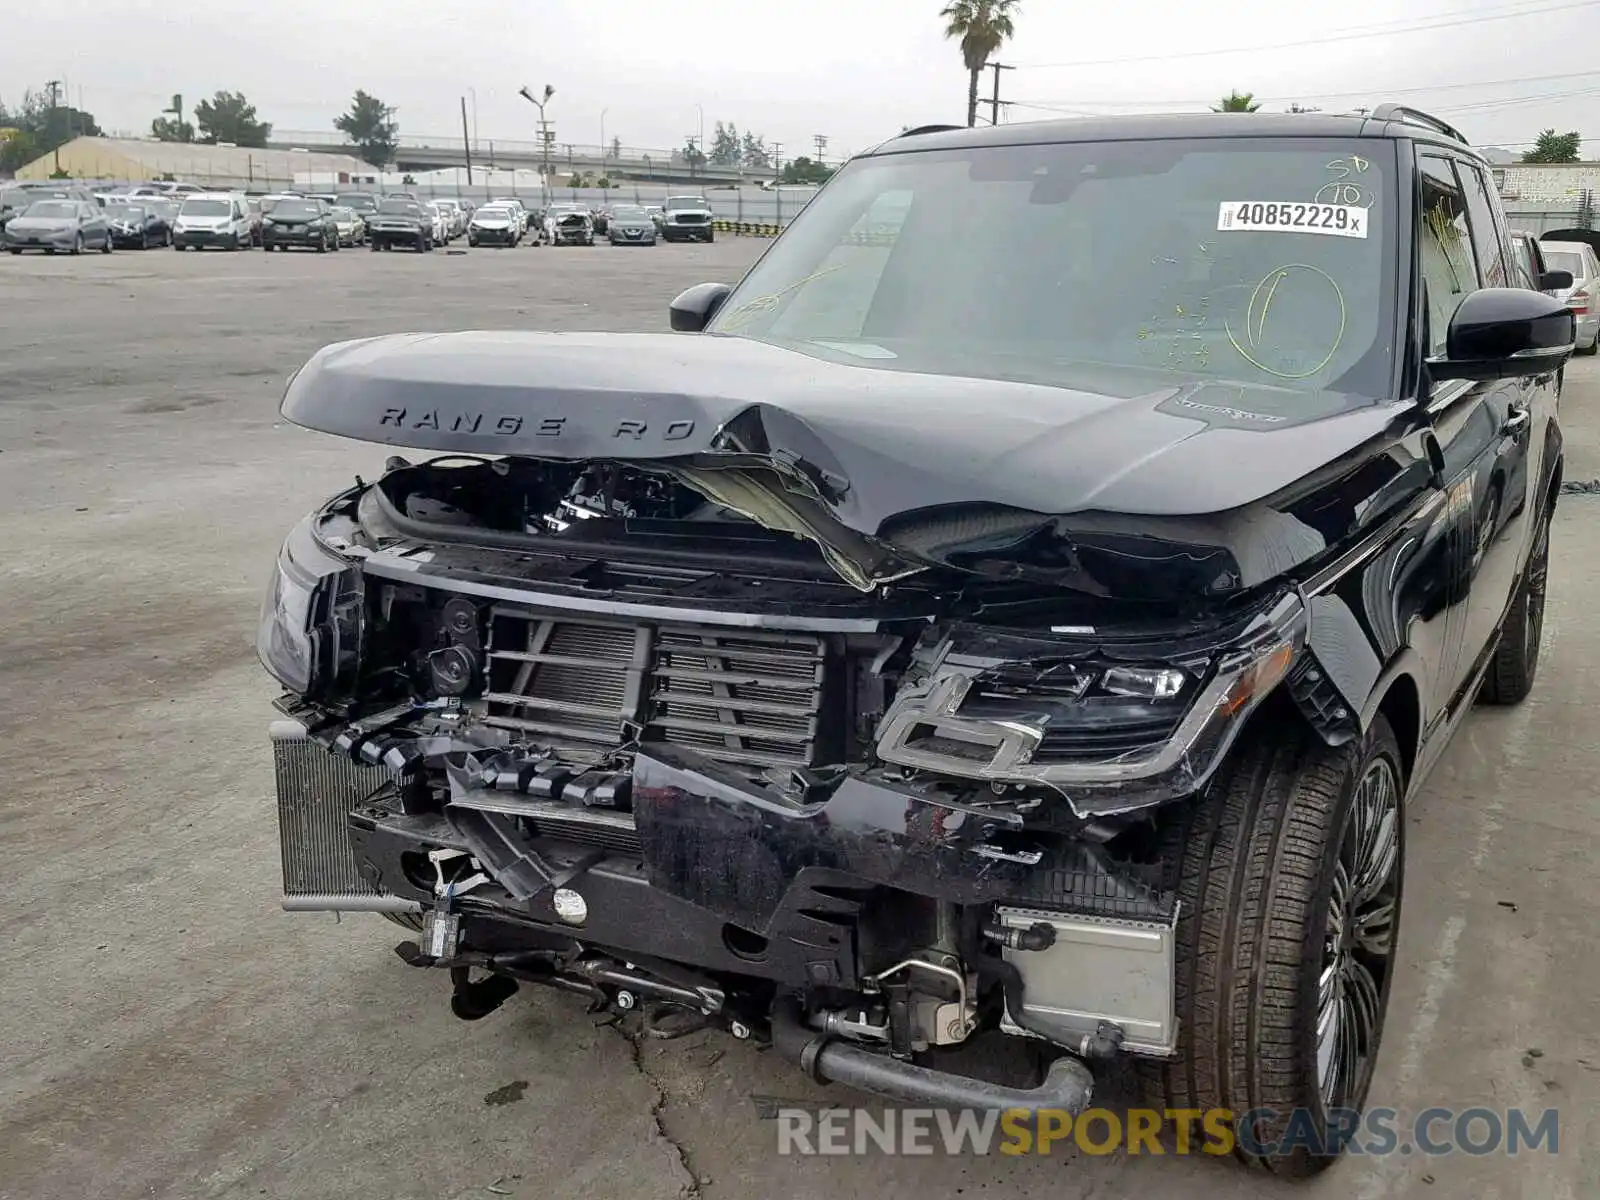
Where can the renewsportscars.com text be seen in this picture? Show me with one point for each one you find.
(1264, 1132)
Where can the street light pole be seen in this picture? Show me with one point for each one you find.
(472, 93)
(702, 113)
(546, 134)
(603, 113)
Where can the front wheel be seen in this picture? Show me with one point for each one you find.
(1516, 656)
(1288, 876)
(105, 246)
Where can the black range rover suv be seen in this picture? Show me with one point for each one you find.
(951, 630)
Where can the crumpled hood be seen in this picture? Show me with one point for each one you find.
(932, 465)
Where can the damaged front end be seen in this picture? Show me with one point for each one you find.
(673, 739)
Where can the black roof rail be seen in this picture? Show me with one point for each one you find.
(920, 129)
(1415, 116)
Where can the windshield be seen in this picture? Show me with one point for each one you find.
(629, 212)
(1261, 261)
(125, 212)
(495, 210)
(52, 208)
(295, 208)
(206, 208)
(401, 208)
(359, 202)
(13, 197)
(676, 202)
(1564, 260)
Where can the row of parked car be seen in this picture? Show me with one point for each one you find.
(66, 217)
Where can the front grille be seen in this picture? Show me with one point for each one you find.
(316, 792)
(740, 696)
(691, 218)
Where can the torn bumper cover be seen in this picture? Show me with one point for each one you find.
(696, 864)
(724, 867)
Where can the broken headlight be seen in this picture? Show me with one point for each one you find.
(312, 618)
(1110, 738)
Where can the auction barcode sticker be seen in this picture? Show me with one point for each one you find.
(1293, 216)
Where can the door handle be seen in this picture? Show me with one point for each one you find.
(1518, 421)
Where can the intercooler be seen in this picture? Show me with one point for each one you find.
(316, 792)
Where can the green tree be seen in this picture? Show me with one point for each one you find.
(692, 154)
(726, 148)
(229, 117)
(371, 128)
(1238, 102)
(1553, 147)
(18, 150)
(754, 151)
(982, 27)
(42, 128)
(804, 170)
(616, 148)
(170, 129)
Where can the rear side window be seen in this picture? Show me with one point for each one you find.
(1487, 235)
(1449, 267)
(1527, 269)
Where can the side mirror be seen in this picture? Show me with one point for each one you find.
(1506, 333)
(693, 309)
(1552, 281)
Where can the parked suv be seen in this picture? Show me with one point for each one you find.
(949, 631)
(687, 219)
(308, 224)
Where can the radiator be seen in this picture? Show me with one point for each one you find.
(316, 792)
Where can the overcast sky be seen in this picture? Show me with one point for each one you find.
(854, 70)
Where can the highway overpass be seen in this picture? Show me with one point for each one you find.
(633, 163)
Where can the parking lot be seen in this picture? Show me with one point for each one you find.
(169, 1032)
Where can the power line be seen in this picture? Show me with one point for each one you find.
(1412, 90)
(1358, 33)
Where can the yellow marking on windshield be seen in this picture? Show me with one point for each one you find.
(1269, 283)
(768, 302)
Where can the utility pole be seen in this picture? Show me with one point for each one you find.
(777, 163)
(694, 153)
(994, 114)
(466, 139)
(55, 86)
(821, 144)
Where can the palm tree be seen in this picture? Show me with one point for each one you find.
(981, 26)
(1238, 102)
